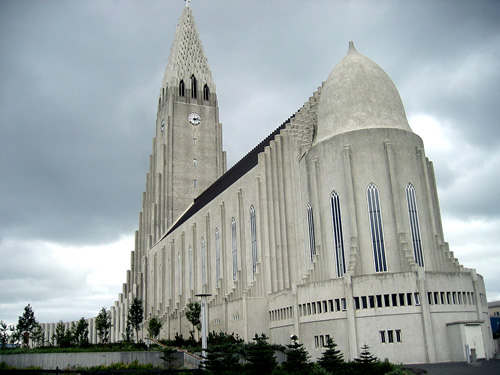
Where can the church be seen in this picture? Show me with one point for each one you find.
(328, 228)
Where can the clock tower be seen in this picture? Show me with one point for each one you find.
(187, 150)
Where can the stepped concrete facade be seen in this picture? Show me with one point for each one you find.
(329, 228)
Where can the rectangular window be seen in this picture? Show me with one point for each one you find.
(379, 300)
(356, 303)
(408, 298)
(443, 298)
(313, 308)
(308, 309)
(429, 297)
(337, 233)
(322, 340)
(327, 337)
(459, 298)
(316, 341)
(382, 337)
(454, 298)
(343, 302)
(377, 234)
(401, 299)
(398, 335)
(387, 300)
(337, 304)
(411, 199)
(436, 298)
(194, 141)
(371, 299)
(363, 301)
(325, 309)
(394, 300)
(319, 307)
(310, 223)
(195, 162)
(253, 234)
(195, 183)
(417, 299)
(390, 336)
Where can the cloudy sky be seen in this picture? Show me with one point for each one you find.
(79, 83)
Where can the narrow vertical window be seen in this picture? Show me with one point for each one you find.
(203, 263)
(375, 216)
(253, 232)
(195, 162)
(206, 93)
(181, 88)
(337, 233)
(411, 199)
(217, 257)
(195, 183)
(194, 87)
(234, 248)
(179, 274)
(310, 224)
(190, 251)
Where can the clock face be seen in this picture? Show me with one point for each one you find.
(194, 119)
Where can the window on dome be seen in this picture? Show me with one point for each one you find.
(310, 224)
(411, 199)
(377, 233)
(337, 233)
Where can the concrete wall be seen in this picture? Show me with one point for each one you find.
(65, 360)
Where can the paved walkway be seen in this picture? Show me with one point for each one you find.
(491, 367)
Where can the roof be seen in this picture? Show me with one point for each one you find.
(494, 304)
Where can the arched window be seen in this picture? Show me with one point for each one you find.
(234, 248)
(190, 251)
(194, 87)
(411, 199)
(310, 225)
(181, 88)
(253, 234)
(376, 230)
(206, 93)
(203, 263)
(217, 257)
(179, 274)
(337, 233)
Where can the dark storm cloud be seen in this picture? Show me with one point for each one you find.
(79, 83)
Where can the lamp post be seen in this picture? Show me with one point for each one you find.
(204, 325)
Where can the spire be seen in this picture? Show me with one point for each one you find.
(187, 56)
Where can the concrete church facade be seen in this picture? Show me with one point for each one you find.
(330, 227)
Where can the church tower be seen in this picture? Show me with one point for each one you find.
(187, 153)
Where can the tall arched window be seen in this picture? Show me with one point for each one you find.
(337, 233)
(179, 274)
(194, 87)
(253, 234)
(217, 257)
(376, 230)
(190, 251)
(181, 88)
(310, 225)
(411, 199)
(206, 93)
(234, 248)
(203, 263)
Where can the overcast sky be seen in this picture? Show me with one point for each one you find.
(79, 84)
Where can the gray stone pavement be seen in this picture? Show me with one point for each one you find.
(491, 367)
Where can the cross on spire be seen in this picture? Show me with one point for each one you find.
(187, 3)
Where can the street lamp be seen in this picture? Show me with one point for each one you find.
(204, 325)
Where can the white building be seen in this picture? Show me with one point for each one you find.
(330, 227)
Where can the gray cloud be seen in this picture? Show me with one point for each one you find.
(80, 83)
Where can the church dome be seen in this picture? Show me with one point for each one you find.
(358, 94)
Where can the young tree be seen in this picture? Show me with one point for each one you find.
(37, 335)
(365, 357)
(136, 315)
(193, 314)
(58, 336)
(26, 324)
(297, 358)
(4, 335)
(128, 335)
(80, 333)
(103, 325)
(260, 356)
(332, 359)
(154, 327)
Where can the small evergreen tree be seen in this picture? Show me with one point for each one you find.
(154, 327)
(193, 314)
(26, 324)
(4, 335)
(223, 358)
(297, 357)
(80, 332)
(37, 335)
(103, 325)
(365, 357)
(168, 357)
(260, 356)
(332, 359)
(135, 315)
